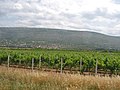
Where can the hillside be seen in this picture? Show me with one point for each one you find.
(56, 38)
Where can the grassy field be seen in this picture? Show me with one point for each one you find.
(22, 79)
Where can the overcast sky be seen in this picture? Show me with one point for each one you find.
(87, 15)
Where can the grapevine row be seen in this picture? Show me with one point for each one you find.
(83, 61)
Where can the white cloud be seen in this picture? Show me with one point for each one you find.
(18, 6)
(92, 15)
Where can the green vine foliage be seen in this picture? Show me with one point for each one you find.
(107, 61)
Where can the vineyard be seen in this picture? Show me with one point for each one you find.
(63, 60)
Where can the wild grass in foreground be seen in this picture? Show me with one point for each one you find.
(20, 79)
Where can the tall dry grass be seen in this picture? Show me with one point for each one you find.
(20, 79)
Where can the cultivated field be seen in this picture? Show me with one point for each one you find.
(94, 62)
(22, 79)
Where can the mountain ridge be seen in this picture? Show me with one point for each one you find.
(56, 38)
(72, 30)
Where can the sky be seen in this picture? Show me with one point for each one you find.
(101, 16)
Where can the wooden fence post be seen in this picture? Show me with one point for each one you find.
(80, 65)
(32, 64)
(19, 62)
(8, 61)
(61, 66)
(96, 67)
(39, 62)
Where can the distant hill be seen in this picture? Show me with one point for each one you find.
(56, 38)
